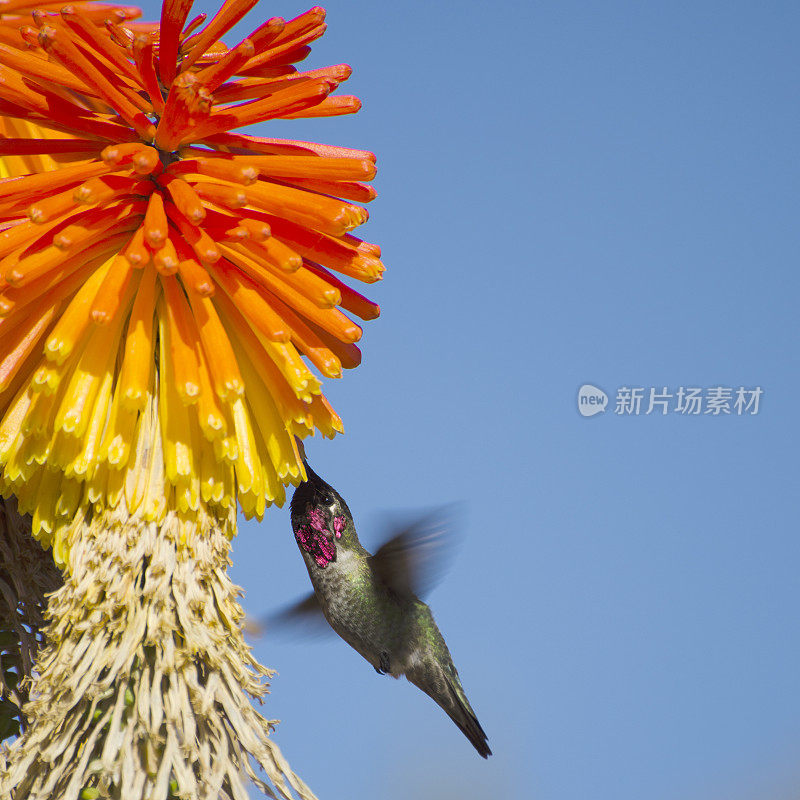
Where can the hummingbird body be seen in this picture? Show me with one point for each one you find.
(369, 601)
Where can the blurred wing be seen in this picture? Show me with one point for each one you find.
(415, 556)
(303, 619)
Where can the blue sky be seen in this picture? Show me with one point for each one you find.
(569, 193)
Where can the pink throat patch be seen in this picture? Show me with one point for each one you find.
(312, 537)
(339, 524)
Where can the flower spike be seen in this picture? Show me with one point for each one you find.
(158, 267)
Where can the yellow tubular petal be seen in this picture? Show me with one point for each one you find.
(98, 357)
(285, 357)
(69, 498)
(76, 319)
(137, 364)
(116, 446)
(248, 464)
(273, 430)
(325, 418)
(11, 426)
(212, 479)
(87, 459)
(47, 492)
(174, 416)
(182, 336)
(149, 437)
(212, 420)
(21, 346)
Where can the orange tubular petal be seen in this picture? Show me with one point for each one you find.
(312, 286)
(308, 342)
(192, 26)
(123, 36)
(110, 187)
(21, 147)
(166, 258)
(115, 154)
(229, 196)
(187, 107)
(363, 247)
(225, 375)
(51, 258)
(351, 300)
(90, 34)
(267, 32)
(215, 75)
(85, 223)
(156, 227)
(321, 213)
(30, 36)
(194, 277)
(109, 295)
(232, 235)
(136, 252)
(301, 24)
(257, 230)
(145, 63)
(330, 319)
(329, 107)
(209, 413)
(147, 161)
(14, 90)
(65, 280)
(221, 168)
(97, 13)
(287, 147)
(295, 166)
(244, 292)
(214, 53)
(337, 253)
(284, 51)
(22, 234)
(275, 253)
(230, 13)
(73, 323)
(287, 101)
(38, 68)
(173, 16)
(185, 198)
(59, 46)
(250, 87)
(202, 244)
(346, 190)
(51, 182)
(348, 353)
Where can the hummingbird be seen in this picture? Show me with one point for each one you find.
(371, 600)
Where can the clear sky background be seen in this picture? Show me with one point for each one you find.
(569, 193)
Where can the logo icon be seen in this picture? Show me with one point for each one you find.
(591, 400)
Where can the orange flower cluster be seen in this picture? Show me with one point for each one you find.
(160, 282)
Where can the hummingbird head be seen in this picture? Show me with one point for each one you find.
(319, 517)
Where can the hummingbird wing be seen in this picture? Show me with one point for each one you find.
(301, 619)
(412, 559)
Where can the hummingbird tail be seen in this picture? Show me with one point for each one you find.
(462, 714)
(446, 690)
